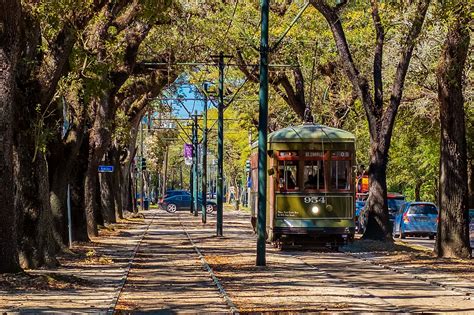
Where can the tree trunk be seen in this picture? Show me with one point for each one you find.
(79, 222)
(453, 227)
(116, 182)
(107, 198)
(99, 140)
(38, 245)
(106, 192)
(418, 190)
(470, 182)
(128, 193)
(378, 224)
(10, 15)
(62, 161)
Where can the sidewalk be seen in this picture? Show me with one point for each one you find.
(90, 283)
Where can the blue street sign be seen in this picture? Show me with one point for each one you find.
(106, 168)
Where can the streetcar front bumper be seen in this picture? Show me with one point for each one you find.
(314, 227)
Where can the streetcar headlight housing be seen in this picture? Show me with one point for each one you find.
(315, 209)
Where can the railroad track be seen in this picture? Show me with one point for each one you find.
(113, 307)
(308, 259)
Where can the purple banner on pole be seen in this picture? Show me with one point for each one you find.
(188, 154)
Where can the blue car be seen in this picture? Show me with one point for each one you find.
(416, 219)
(183, 202)
(358, 207)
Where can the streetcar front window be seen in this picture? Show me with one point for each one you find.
(288, 175)
(340, 170)
(314, 174)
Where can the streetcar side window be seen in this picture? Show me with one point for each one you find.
(288, 175)
(314, 174)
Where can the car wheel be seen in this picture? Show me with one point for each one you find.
(171, 208)
(209, 208)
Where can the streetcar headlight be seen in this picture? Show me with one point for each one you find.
(315, 210)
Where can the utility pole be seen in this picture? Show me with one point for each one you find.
(220, 147)
(195, 165)
(204, 157)
(191, 184)
(165, 171)
(193, 175)
(262, 136)
(220, 144)
(142, 199)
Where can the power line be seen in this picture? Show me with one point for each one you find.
(214, 64)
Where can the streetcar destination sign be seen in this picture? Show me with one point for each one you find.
(106, 168)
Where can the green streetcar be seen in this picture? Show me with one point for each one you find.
(310, 185)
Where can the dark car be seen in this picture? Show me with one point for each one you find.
(171, 193)
(394, 202)
(179, 192)
(471, 220)
(416, 219)
(183, 202)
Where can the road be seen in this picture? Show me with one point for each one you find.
(425, 242)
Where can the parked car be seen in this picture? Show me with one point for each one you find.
(177, 192)
(416, 219)
(359, 206)
(183, 202)
(394, 202)
(471, 220)
(170, 193)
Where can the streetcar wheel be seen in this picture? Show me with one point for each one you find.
(402, 235)
(171, 208)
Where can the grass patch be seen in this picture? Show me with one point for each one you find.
(24, 281)
(362, 246)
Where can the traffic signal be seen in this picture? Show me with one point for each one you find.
(247, 166)
(143, 163)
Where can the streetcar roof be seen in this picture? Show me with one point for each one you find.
(310, 133)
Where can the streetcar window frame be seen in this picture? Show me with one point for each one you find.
(335, 161)
(324, 158)
(284, 158)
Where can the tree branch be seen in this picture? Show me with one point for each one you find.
(359, 83)
(403, 63)
(377, 70)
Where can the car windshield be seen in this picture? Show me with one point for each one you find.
(423, 209)
(395, 204)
